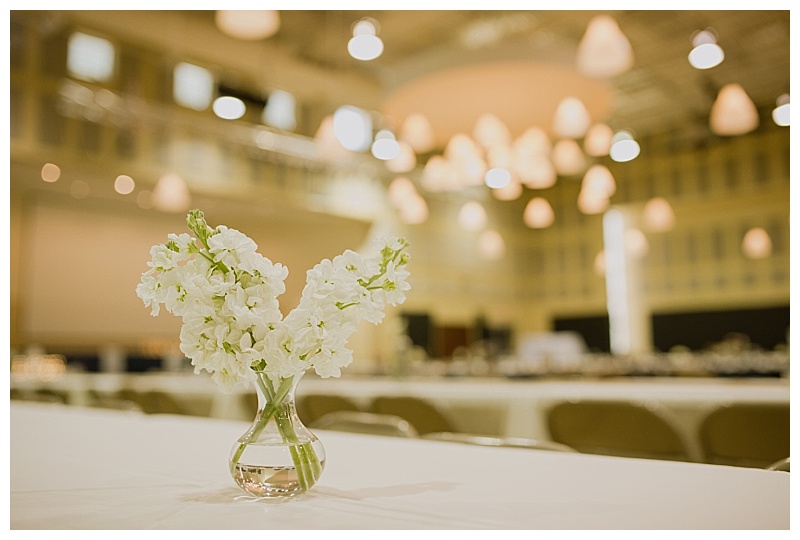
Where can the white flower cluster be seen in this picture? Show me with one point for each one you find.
(226, 294)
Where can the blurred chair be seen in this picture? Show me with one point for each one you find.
(51, 396)
(616, 428)
(781, 465)
(152, 402)
(111, 401)
(511, 442)
(250, 404)
(42, 395)
(364, 422)
(312, 407)
(746, 434)
(424, 416)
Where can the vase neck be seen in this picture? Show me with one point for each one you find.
(276, 392)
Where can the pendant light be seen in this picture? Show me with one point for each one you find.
(490, 131)
(365, 44)
(592, 203)
(248, 25)
(537, 172)
(439, 175)
(599, 181)
(604, 51)
(756, 244)
(636, 243)
(597, 142)
(385, 146)
(780, 114)
(400, 190)
(623, 147)
(706, 53)
(658, 215)
(571, 119)
(418, 132)
(538, 213)
(568, 158)
(405, 161)
(472, 216)
(491, 245)
(414, 210)
(599, 264)
(510, 192)
(733, 112)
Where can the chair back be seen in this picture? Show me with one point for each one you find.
(102, 400)
(782, 465)
(423, 415)
(616, 428)
(512, 442)
(746, 434)
(152, 402)
(43, 395)
(312, 407)
(364, 422)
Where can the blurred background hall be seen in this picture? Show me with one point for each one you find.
(587, 194)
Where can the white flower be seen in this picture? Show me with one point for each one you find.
(332, 361)
(231, 240)
(396, 283)
(226, 294)
(147, 290)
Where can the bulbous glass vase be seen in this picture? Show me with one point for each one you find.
(278, 456)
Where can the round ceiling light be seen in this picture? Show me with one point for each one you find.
(249, 25)
(706, 53)
(228, 107)
(365, 44)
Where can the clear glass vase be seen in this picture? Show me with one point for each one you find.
(278, 456)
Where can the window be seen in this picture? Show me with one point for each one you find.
(90, 58)
(280, 110)
(193, 86)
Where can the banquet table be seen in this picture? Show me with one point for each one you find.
(80, 468)
(518, 408)
(491, 406)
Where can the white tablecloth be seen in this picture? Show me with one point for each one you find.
(78, 468)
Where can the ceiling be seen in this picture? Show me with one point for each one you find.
(662, 93)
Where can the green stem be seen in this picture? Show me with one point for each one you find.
(218, 264)
(264, 416)
(304, 456)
